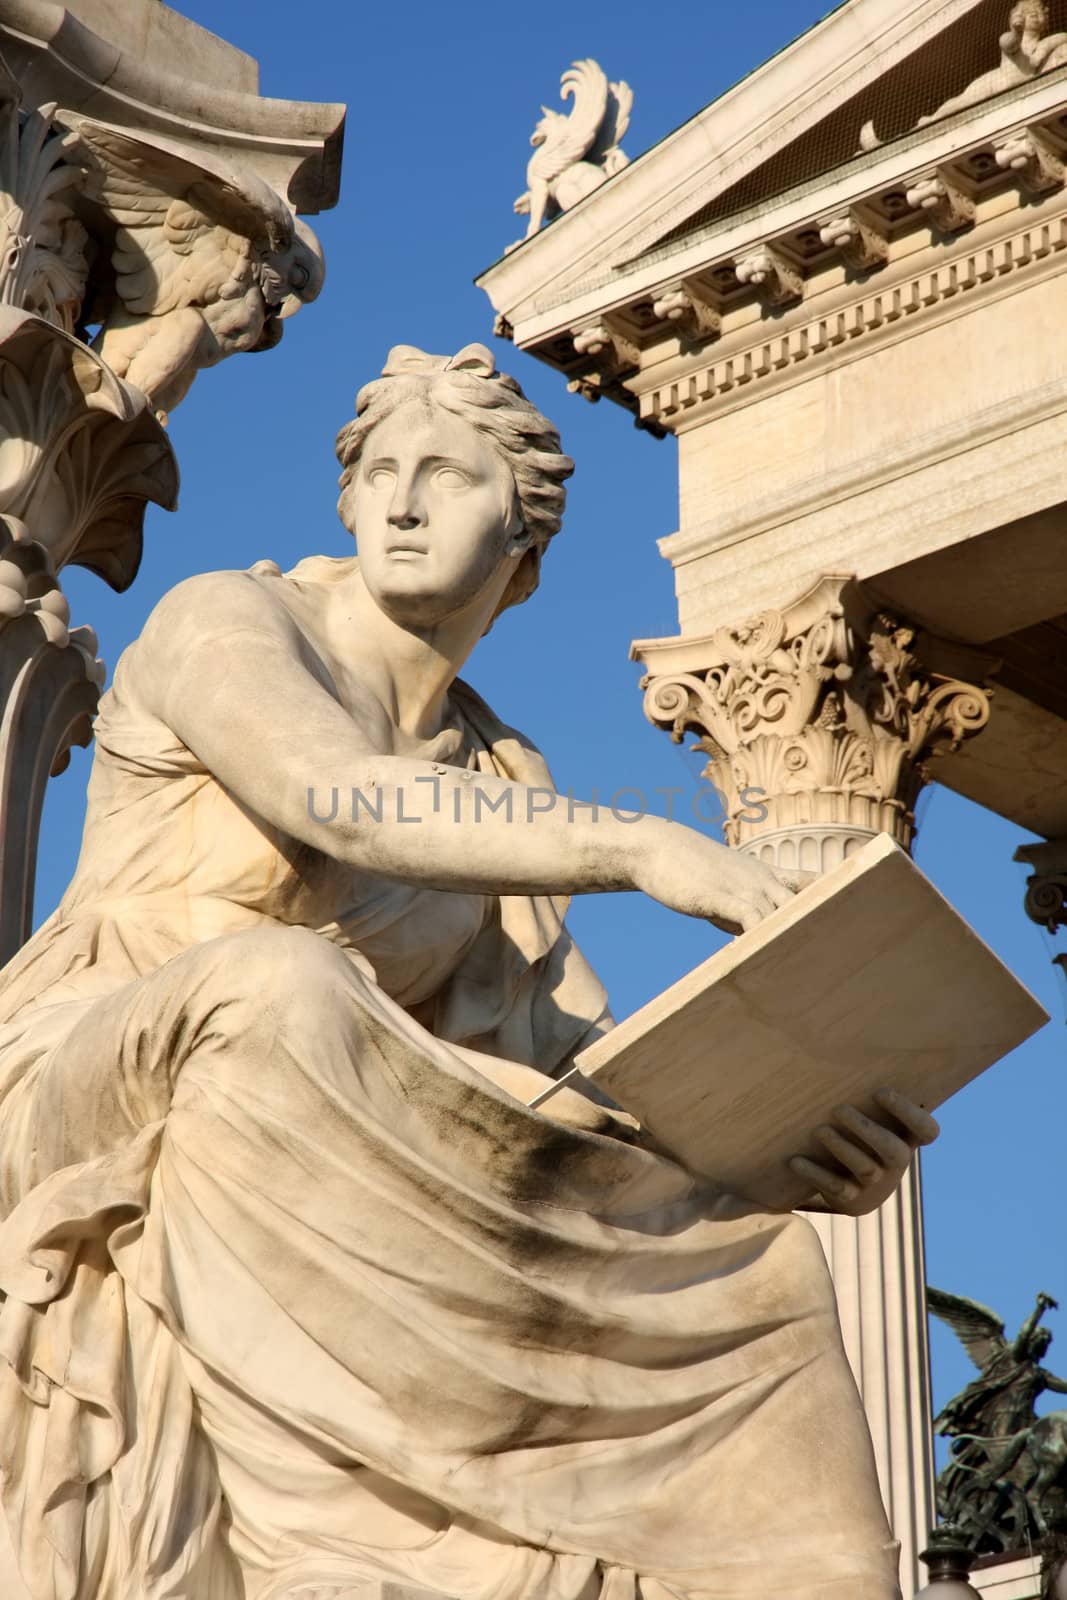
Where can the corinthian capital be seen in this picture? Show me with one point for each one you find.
(819, 721)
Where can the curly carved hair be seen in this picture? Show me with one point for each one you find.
(469, 386)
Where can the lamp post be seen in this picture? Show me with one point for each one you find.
(949, 1561)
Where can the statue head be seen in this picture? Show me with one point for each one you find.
(489, 464)
(1040, 1341)
(1028, 21)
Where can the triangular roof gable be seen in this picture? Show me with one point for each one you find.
(799, 114)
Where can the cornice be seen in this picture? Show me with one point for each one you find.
(951, 183)
(852, 47)
(294, 144)
(892, 306)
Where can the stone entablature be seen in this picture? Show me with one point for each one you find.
(759, 292)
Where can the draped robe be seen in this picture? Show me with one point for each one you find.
(298, 1298)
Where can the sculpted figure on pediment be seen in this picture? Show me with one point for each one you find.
(1027, 49)
(300, 1293)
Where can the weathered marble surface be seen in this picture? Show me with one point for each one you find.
(300, 1296)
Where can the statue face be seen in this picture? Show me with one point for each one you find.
(435, 513)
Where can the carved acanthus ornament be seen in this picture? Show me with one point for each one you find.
(818, 722)
(942, 202)
(689, 309)
(776, 280)
(43, 265)
(180, 257)
(855, 237)
(609, 349)
(50, 680)
(80, 451)
(1036, 165)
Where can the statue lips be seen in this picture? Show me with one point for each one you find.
(406, 551)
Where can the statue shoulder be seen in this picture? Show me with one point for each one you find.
(217, 607)
(213, 624)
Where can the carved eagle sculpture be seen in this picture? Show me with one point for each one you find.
(573, 154)
(208, 259)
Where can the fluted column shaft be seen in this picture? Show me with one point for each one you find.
(818, 721)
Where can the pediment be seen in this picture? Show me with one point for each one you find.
(854, 87)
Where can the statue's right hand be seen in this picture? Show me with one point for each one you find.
(702, 878)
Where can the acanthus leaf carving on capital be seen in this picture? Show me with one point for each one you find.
(824, 715)
(43, 260)
(81, 453)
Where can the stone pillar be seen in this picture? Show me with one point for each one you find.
(878, 1267)
(818, 722)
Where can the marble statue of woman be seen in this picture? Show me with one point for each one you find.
(300, 1298)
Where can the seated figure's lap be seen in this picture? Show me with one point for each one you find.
(243, 1003)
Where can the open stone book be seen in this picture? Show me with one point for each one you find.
(868, 979)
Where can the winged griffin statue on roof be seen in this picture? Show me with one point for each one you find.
(574, 153)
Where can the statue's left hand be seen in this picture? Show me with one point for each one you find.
(874, 1155)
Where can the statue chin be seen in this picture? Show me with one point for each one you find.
(409, 595)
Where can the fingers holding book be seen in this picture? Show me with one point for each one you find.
(869, 1156)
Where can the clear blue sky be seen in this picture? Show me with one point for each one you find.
(442, 101)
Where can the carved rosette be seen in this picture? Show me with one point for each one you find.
(819, 722)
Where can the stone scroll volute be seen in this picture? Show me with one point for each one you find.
(818, 723)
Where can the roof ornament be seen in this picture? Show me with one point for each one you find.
(575, 152)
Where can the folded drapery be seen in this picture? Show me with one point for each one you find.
(300, 1302)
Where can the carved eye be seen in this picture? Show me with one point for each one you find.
(299, 276)
(381, 478)
(451, 478)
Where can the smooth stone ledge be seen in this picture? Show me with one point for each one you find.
(295, 145)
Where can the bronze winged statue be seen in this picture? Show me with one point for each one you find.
(1005, 1484)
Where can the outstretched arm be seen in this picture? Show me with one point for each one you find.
(1021, 1347)
(224, 665)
